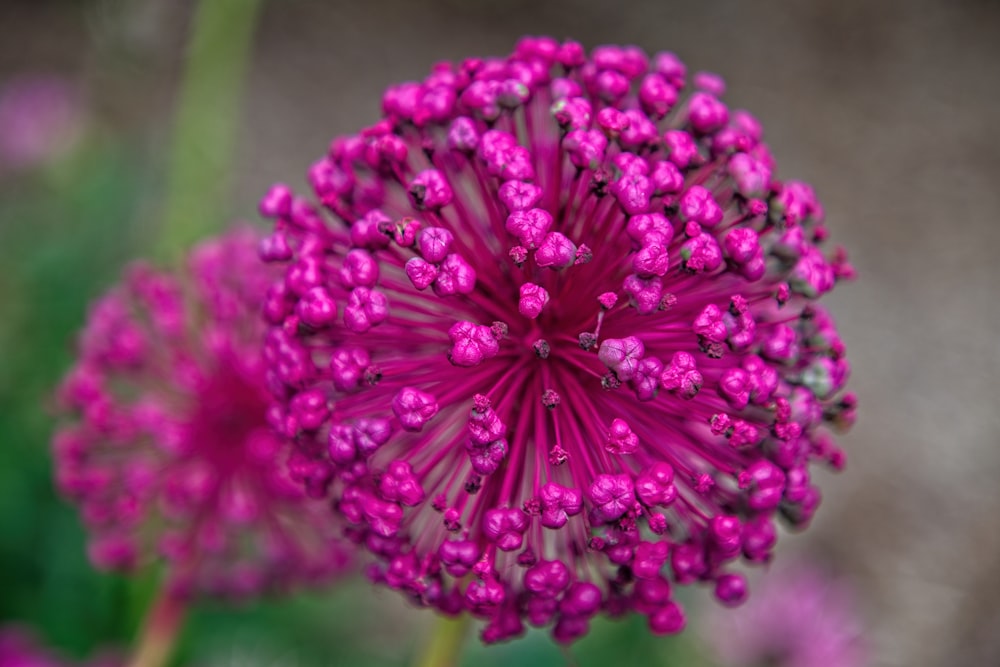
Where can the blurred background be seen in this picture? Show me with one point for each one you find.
(892, 110)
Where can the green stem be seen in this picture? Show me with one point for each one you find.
(206, 123)
(445, 643)
(160, 630)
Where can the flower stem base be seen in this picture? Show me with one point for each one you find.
(445, 643)
(160, 631)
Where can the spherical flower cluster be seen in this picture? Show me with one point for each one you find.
(169, 452)
(798, 617)
(548, 340)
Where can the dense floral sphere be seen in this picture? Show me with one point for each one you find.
(548, 338)
(169, 452)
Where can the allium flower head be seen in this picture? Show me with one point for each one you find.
(548, 339)
(798, 617)
(169, 452)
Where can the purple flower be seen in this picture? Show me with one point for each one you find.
(40, 118)
(797, 617)
(20, 648)
(169, 453)
(618, 374)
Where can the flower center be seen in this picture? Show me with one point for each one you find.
(230, 408)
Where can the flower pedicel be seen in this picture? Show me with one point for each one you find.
(549, 338)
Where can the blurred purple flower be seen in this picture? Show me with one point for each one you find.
(169, 454)
(19, 648)
(40, 119)
(556, 350)
(798, 616)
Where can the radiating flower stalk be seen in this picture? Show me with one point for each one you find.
(547, 337)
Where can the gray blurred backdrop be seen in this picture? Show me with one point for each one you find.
(892, 110)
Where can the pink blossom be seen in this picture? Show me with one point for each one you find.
(619, 375)
(797, 616)
(167, 451)
(41, 117)
(20, 648)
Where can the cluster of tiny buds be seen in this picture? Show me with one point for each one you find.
(546, 338)
(168, 452)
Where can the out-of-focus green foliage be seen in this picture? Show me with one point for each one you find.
(206, 123)
(63, 234)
